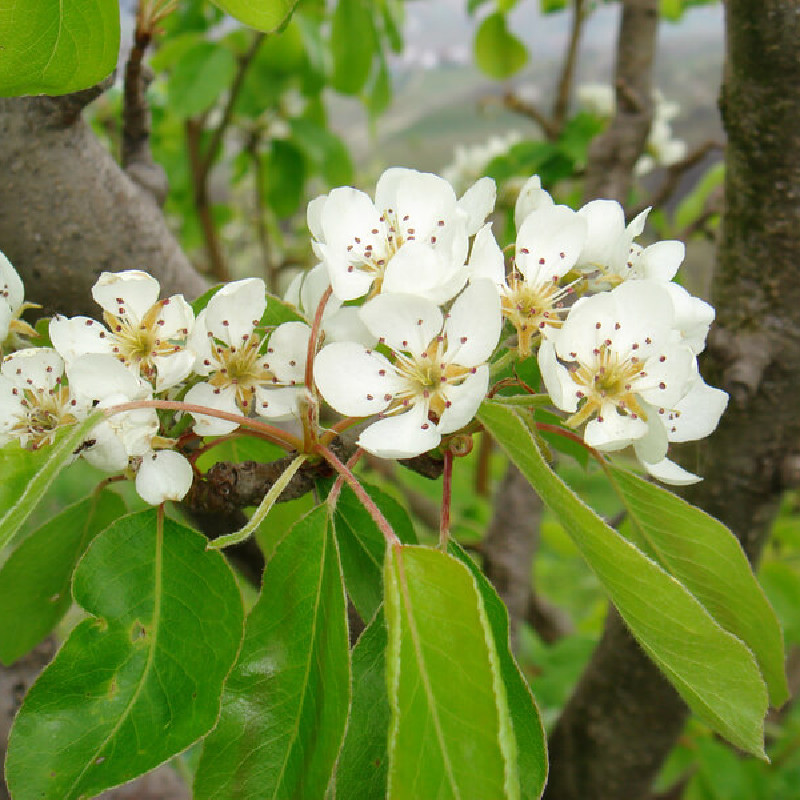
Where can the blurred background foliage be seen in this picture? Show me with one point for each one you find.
(249, 127)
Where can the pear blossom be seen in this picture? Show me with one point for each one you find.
(549, 242)
(610, 255)
(434, 378)
(146, 334)
(413, 238)
(619, 366)
(243, 376)
(470, 162)
(12, 304)
(163, 475)
(35, 402)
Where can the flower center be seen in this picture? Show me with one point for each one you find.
(531, 309)
(44, 411)
(243, 367)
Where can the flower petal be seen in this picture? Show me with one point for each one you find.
(287, 351)
(611, 430)
(280, 402)
(418, 269)
(136, 290)
(405, 322)
(606, 224)
(486, 259)
(549, 243)
(693, 317)
(172, 369)
(660, 261)
(669, 472)
(473, 324)
(697, 414)
(560, 386)
(464, 400)
(235, 310)
(531, 197)
(477, 203)
(76, 336)
(164, 475)
(203, 394)
(34, 368)
(98, 376)
(402, 436)
(11, 288)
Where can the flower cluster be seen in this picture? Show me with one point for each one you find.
(402, 317)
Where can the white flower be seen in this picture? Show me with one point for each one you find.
(619, 365)
(530, 198)
(413, 239)
(470, 162)
(434, 380)
(163, 475)
(12, 304)
(242, 378)
(598, 98)
(610, 256)
(34, 402)
(146, 334)
(548, 244)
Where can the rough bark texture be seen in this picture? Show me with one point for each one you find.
(613, 153)
(510, 544)
(69, 212)
(623, 718)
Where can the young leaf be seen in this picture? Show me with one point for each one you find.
(528, 728)
(265, 15)
(35, 581)
(363, 547)
(197, 81)
(56, 46)
(141, 678)
(712, 669)
(708, 560)
(451, 734)
(362, 768)
(30, 474)
(285, 704)
(497, 51)
(352, 45)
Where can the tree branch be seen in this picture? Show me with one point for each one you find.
(567, 77)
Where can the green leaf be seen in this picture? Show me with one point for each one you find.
(551, 6)
(701, 553)
(285, 177)
(671, 10)
(363, 547)
(263, 15)
(204, 72)
(141, 679)
(379, 91)
(362, 768)
(279, 311)
(352, 46)
(35, 581)
(27, 475)
(324, 149)
(693, 205)
(497, 51)
(451, 733)
(712, 669)
(528, 728)
(285, 705)
(56, 46)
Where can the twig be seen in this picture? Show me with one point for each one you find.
(561, 105)
(514, 103)
(269, 267)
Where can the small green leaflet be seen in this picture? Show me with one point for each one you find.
(139, 680)
(264, 15)
(286, 702)
(35, 581)
(497, 51)
(451, 734)
(712, 669)
(56, 46)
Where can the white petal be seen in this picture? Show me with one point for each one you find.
(346, 325)
(667, 381)
(402, 436)
(279, 403)
(200, 343)
(98, 376)
(549, 243)
(669, 472)
(606, 224)
(643, 312)
(660, 261)
(531, 197)
(165, 475)
(464, 400)
(314, 216)
(693, 317)
(613, 431)
(34, 368)
(418, 269)
(287, 351)
(477, 203)
(405, 322)
(473, 324)
(137, 290)
(557, 380)
(11, 288)
(697, 414)
(590, 321)
(176, 319)
(107, 452)
(486, 259)
(11, 409)
(172, 369)
(76, 336)
(203, 394)
(5, 319)
(652, 447)
(355, 381)
(235, 310)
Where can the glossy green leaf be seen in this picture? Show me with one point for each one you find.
(352, 45)
(497, 51)
(141, 678)
(263, 15)
(451, 734)
(363, 547)
(708, 560)
(362, 768)
(712, 669)
(285, 177)
(285, 705)
(527, 724)
(56, 46)
(203, 73)
(35, 580)
(279, 311)
(27, 475)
